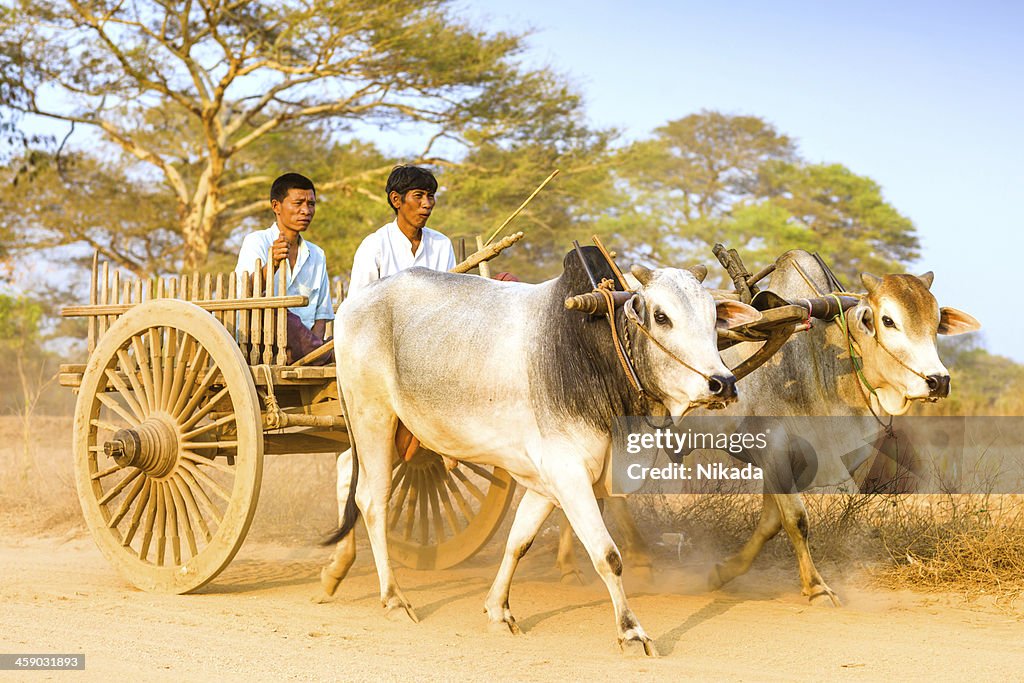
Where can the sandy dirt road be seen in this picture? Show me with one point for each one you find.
(257, 621)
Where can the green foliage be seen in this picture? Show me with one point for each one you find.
(711, 177)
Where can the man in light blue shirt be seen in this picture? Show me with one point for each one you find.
(293, 200)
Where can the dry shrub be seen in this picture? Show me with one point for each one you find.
(972, 544)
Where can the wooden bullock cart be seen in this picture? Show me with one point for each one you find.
(187, 387)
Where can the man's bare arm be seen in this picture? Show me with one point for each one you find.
(320, 328)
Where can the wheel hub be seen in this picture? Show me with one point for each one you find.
(152, 447)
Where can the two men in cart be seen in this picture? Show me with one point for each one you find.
(403, 243)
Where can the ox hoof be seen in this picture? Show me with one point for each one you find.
(328, 582)
(321, 599)
(574, 577)
(395, 608)
(637, 644)
(507, 625)
(824, 597)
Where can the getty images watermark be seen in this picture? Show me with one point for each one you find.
(818, 454)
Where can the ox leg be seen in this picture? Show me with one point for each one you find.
(530, 515)
(345, 551)
(372, 495)
(768, 525)
(566, 559)
(637, 553)
(794, 519)
(574, 491)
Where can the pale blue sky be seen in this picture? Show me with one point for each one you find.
(927, 98)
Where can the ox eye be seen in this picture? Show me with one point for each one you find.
(661, 318)
(887, 321)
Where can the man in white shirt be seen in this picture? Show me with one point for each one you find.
(405, 242)
(293, 200)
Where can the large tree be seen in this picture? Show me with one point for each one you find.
(712, 177)
(187, 88)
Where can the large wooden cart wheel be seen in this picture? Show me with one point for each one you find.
(437, 518)
(168, 446)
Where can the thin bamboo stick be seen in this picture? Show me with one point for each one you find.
(231, 318)
(104, 275)
(92, 300)
(243, 315)
(256, 331)
(282, 317)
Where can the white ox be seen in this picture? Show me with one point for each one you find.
(893, 329)
(413, 347)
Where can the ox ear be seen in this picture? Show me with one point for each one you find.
(953, 321)
(642, 274)
(733, 314)
(869, 281)
(927, 279)
(864, 317)
(699, 272)
(635, 309)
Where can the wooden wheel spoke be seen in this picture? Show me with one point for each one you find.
(193, 507)
(136, 397)
(207, 427)
(133, 526)
(172, 523)
(105, 473)
(156, 343)
(182, 515)
(161, 523)
(103, 424)
(410, 514)
(180, 366)
(111, 402)
(202, 445)
(199, 394)
(449, 509)
(470, 486)
(406, 482)
(147, 534)
(120, 486)
(195, 366)
(138, 344)
(485, 473)
(188, 488)
(126, 504)
(204, 479)
(460, 499)
(424, 497)
(435, 506)
(169, 352)
(201, 460)
(205, 410)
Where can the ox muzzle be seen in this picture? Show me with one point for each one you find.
(938, 386)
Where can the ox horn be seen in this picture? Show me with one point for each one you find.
(595, 304)
(642, 273)
(869, 281)
(927, 279)
(699, 272)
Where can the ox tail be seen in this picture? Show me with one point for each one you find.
(351, 514)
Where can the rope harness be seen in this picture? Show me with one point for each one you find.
(622, 351)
